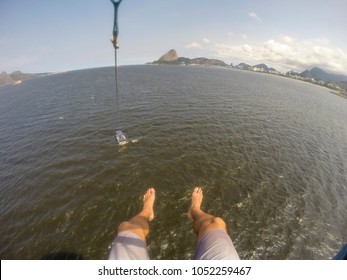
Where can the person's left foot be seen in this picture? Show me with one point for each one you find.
(148, 202)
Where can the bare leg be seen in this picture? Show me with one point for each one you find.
(203, 222)
(139, 224)
(213, 241)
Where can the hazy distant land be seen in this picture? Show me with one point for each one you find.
(17, 77)
(314, 75)
(338, 83)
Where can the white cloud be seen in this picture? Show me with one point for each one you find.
(288, 53)
(193, 45)
(253, 15)
(286, 39)
(244, 36)
(206, 41)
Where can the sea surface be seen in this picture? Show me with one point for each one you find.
(269, 152)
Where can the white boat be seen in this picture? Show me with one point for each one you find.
(120, 137)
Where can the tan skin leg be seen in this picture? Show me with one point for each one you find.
(203, 222)
(139, 224)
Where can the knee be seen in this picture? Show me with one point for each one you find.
(124, 226)
(213, 223)
(218, 222)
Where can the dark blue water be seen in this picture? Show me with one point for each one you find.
(269, 152)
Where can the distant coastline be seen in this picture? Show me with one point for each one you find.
(17, 77)
(337, 83)
(317, 76)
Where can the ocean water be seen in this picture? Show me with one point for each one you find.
(270, 154)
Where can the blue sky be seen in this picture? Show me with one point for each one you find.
(41, 35)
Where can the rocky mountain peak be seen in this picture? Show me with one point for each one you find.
(171, 55)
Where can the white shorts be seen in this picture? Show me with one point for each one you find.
(214, 245)
(128, 246)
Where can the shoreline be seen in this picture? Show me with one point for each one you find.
(337, 91)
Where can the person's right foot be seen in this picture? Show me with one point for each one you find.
(148, 202)
(196, 202)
